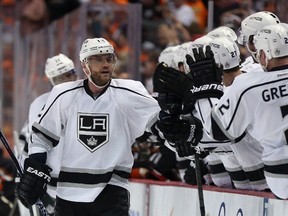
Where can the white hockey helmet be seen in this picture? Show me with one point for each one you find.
(58, 65)
(273, 40)
(95, 46)
(197, 43)
(253, 23)
(226, 52)
(167, 56)
(180, 55)
(202, 41)
(223, 31)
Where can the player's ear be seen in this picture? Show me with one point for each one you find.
(262, 57)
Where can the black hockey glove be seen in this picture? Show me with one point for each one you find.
(169, 103)
(33, 182)
(20, 198)
(206, 74)
(169, 80)
(175, 129)
(184, 148)
(190, 174)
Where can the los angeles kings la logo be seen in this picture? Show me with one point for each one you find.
(93, 130)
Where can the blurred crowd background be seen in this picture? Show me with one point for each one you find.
(33, 30)
(161, 23)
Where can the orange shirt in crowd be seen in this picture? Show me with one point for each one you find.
(200, 11)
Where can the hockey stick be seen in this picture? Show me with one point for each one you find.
(39, 203)
(198, 175)
(199, 182)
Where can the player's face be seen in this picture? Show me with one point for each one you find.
(66, 77)
(101, 68)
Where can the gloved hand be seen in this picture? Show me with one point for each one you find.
(33, 182)
(184, 148)
(169, 80)
(176, 129)
(205, 73)
(170, 103)
(20, 198)
(190, 173)
(190, 176)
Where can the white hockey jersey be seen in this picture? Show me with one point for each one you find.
(98, 134)
(257, 102)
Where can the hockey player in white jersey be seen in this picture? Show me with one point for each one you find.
(96, 120)
(249, 27)
(58, 69)
(245, 167)
(248, 104)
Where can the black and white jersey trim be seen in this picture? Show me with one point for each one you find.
(256, 175)
(126, 89)
(237, 175)
(277, 169)
(217, 168)
(62, 93)
(50, 139)
(71, 177)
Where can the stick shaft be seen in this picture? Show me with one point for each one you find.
(39, 203)
(199, 184)
(11, 154)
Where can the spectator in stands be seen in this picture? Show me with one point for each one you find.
(148, 69)
(221, 6)
(7, 8)
(35, 14)
(182, 12)
(171, 33)
(201, 13)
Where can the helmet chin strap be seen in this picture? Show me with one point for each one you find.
(253, 53)
(52, 82)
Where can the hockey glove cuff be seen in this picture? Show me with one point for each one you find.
(184, 128)
(34, 180)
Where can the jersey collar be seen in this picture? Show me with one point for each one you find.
(88, 91)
